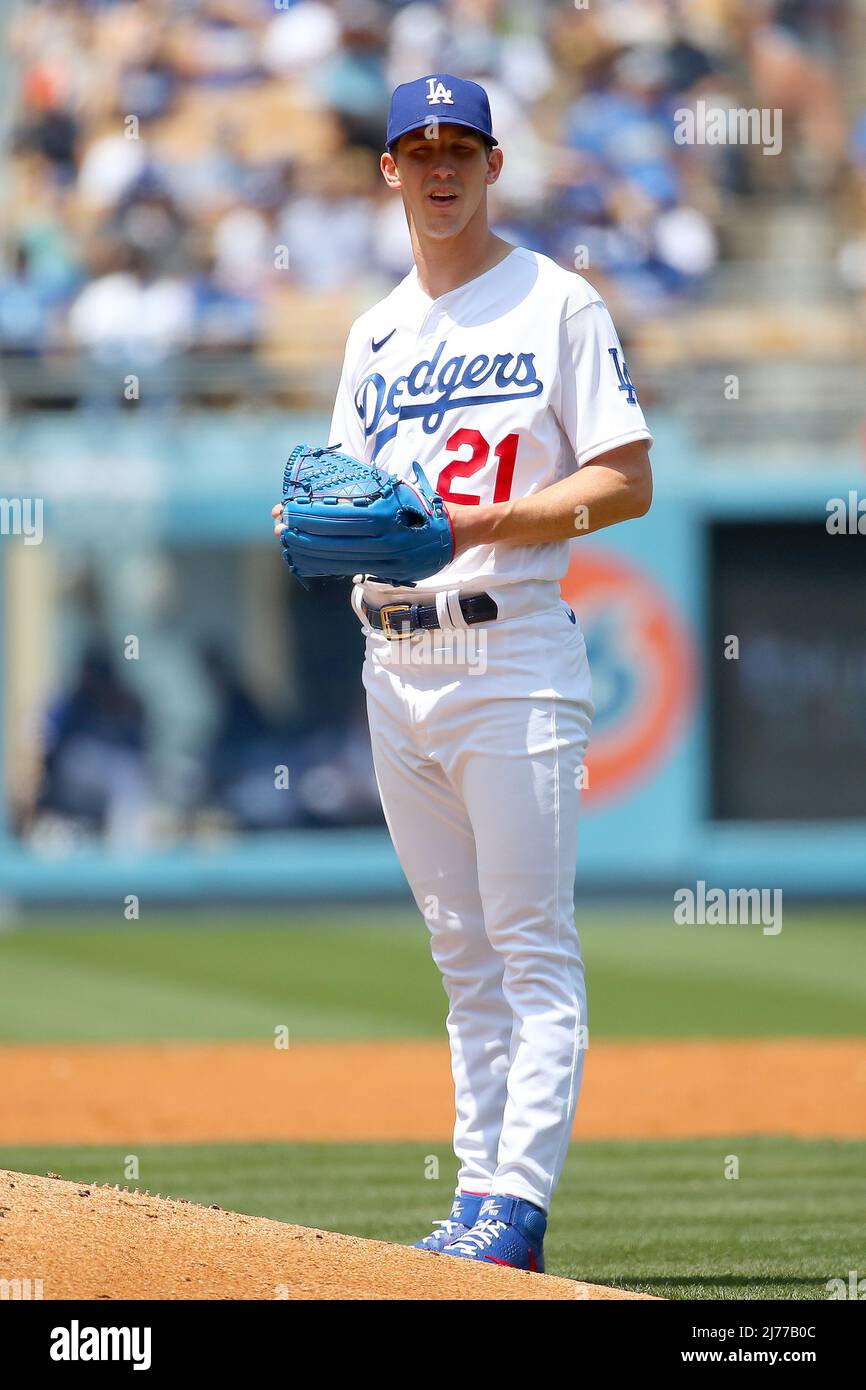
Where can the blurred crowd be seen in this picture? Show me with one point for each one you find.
(184, 173)
(114, 769)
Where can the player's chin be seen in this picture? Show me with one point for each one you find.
(444, 223)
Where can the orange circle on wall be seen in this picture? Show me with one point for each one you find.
(643, 667)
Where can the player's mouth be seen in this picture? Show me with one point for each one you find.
(442, 197)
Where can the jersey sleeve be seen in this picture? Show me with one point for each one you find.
(598, 405)
(347, 429)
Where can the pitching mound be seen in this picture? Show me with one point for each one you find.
(83, 1241)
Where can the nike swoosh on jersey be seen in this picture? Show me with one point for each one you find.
(382, 341)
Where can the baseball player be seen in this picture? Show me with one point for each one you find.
(502, 375)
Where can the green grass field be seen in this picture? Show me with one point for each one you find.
(657, 1217)
(369, 975)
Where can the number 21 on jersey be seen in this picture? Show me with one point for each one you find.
(505, 453)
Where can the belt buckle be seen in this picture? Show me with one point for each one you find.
(385, 619)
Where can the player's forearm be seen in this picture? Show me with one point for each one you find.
(600, 494)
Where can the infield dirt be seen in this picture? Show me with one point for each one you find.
(82, 1093)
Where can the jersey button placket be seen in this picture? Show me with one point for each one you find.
(425, 344)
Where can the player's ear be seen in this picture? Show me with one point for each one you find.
(388, 166)
(494, 164)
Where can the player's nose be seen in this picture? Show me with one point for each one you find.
(444, 179)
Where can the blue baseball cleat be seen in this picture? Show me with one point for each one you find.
(464, 1214)
(508, 1231)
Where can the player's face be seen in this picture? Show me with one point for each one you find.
(442, 173)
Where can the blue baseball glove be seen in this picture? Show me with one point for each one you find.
(344, 517)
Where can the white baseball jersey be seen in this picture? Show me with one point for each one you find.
(497, 389)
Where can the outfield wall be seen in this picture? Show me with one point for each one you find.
(726, 631)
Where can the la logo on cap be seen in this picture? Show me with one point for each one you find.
(438, 95)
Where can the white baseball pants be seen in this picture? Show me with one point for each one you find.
(478, 736)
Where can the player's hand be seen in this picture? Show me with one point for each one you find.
(277, 514)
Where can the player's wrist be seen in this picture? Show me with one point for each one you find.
(471, 525)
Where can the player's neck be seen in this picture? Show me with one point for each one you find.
(446, 265)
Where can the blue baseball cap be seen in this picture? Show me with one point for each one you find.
(439, 97)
